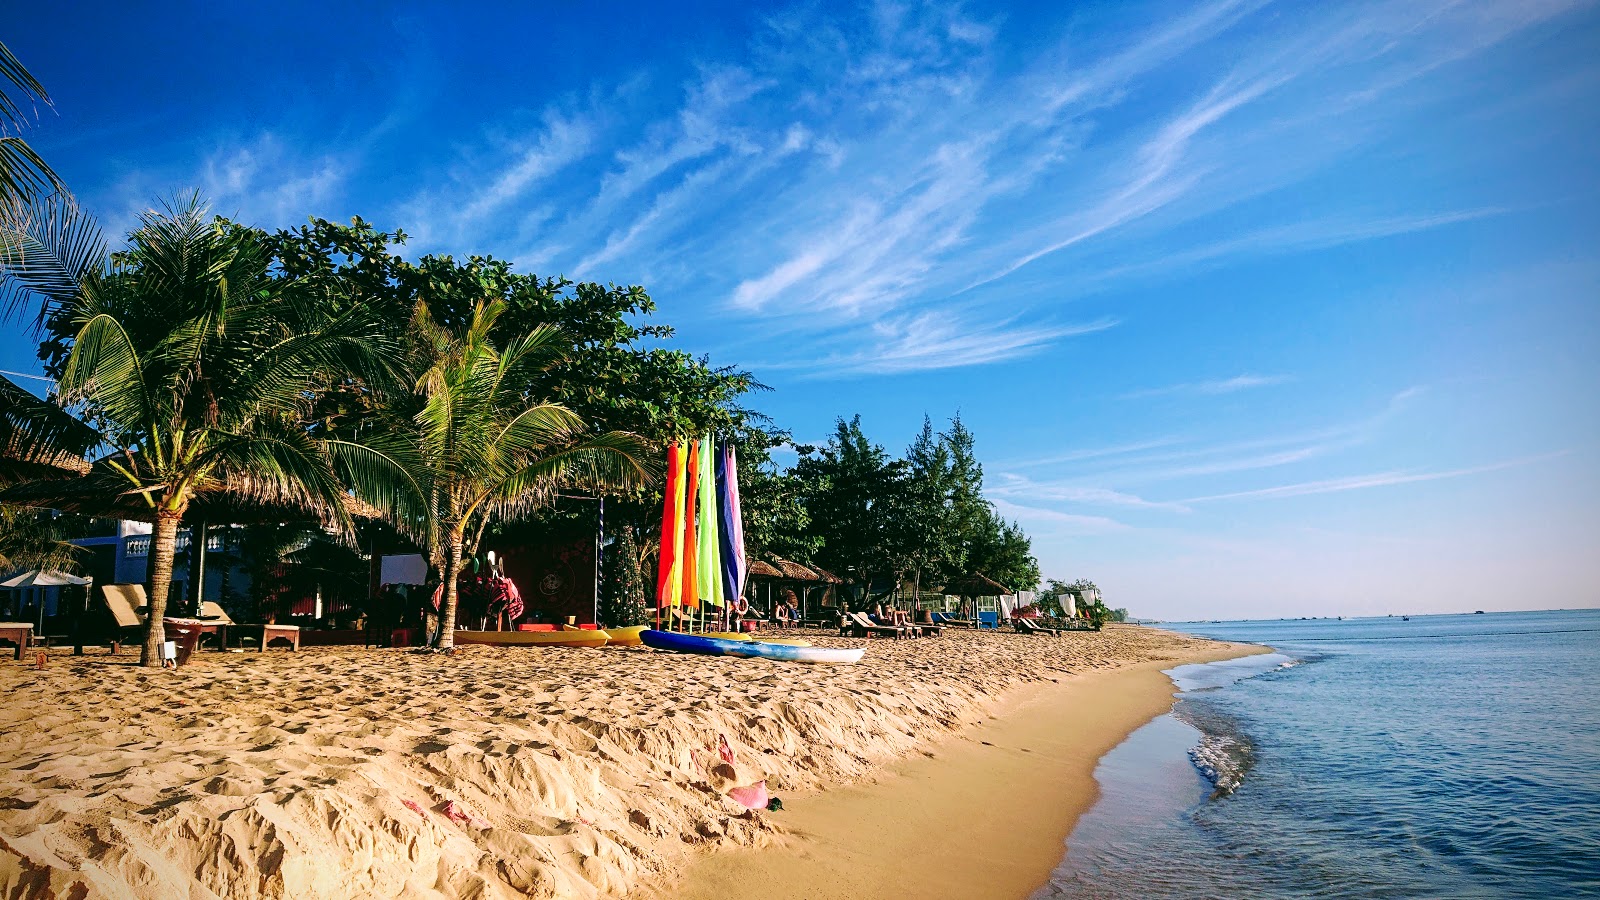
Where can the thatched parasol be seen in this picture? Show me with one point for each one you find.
(793, 571)
(760, 569)
(825, 575)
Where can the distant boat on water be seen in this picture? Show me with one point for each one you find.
(1405, 618)
(1478, 613)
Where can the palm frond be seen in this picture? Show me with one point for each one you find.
(12, 70)
(30, 539)
(49, 249)
(24, 175)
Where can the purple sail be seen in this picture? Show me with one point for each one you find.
(731, 534)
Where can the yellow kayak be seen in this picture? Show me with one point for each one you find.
(575, 638)
(624, 636)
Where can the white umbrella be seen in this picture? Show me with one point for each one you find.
(40, 578)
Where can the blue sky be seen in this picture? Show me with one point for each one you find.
(1255, 308)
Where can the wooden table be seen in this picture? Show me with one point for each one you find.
(18, 633)
(273, 632)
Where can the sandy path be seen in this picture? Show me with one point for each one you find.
(331, 773)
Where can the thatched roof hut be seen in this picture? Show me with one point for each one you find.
(762, 569)
(39, 439)
(793, 571)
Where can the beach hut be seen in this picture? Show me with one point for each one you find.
(974, 587)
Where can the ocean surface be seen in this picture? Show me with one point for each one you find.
(1444, 756)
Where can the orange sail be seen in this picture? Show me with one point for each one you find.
(669, 576)
(687, 571)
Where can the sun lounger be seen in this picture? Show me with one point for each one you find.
(128, 608)
(1026, 626)
(943, 619)
(858, 624)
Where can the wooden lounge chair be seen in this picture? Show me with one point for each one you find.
(859, 625)
(1026, 626)
(943, 619)
(129, 609)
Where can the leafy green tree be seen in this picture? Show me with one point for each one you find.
(200, 370)
(623, 600)
(970, 518)
(850, 489)
(775, 517)
(927, 527)
(1004, 552)
(468, 446)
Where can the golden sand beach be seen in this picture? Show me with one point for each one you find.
(338, 773)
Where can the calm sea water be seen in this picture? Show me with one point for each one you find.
(1445, 756)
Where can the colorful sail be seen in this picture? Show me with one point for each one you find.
(691, 535)
(734, 565)
(708, 585)
(669, 580)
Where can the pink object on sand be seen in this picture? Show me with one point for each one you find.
(751, 796)
(723, 750)
(411, 805)
(458, 814)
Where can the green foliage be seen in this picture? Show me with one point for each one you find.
(1004, 552)
(467, 446)
(198, 368)
(611, 380)
(33, 539)
(851, 490)
(623, 601)
(776, 520)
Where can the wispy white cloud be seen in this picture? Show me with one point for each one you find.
(1010, 484)
(1042, 520)
(936, 341)
(1214, 387)
(870, 177)
(1377, 479)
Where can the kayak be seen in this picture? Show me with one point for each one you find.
(624, 637)
(617, 637)
(742, 636)
(534, 638)
(710, 646)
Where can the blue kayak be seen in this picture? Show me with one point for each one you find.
(709, 646)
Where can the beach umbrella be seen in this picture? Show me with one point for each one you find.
(40, 579)
(668, 581)
(735, 566)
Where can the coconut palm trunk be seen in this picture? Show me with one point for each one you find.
(163, 547)
(452, 594)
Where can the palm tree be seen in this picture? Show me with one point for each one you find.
(468, 447)
(200, 365)
(23, 175)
